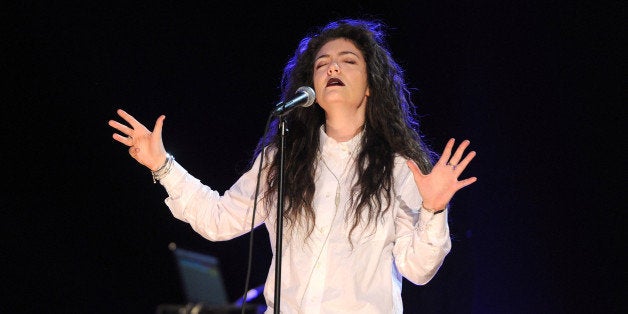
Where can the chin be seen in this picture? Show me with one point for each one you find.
(333, 99)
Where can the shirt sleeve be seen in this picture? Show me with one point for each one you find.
(422, 238)
(215, 217)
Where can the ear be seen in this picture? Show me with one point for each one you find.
(368, 92)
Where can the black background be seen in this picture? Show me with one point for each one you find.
(535, 86)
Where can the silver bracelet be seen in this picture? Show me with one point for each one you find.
(163, 170)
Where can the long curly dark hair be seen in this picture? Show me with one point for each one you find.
(391, 128)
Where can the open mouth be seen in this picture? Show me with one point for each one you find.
(335, 82)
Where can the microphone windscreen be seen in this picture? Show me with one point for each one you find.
(311, 95)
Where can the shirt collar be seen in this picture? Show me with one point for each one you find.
(328, 143)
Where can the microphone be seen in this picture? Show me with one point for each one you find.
(305, 97)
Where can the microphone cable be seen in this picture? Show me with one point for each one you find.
(311, 98)
(257, 187)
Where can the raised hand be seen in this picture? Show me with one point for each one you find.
(439, 186)
(144, 146)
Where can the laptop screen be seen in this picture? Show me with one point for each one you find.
(201, 277)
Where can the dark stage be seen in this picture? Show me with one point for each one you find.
(534, 86)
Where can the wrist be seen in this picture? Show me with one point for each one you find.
(164, 169)
(434, 210)
(160, 165)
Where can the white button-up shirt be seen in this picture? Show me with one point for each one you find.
(326, 273)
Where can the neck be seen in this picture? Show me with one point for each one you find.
(345, 130)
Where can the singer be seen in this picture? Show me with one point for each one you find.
(366, 200)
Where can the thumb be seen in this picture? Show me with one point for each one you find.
(159, 124)
(414, 168)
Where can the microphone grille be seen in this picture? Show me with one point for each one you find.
(311, 95)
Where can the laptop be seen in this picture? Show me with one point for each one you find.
(202, 285)
(200, 276)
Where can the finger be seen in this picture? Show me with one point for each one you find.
(133, 151)
(465, 182)
(120, 127)
(455, 159)
(129, 118)
(126, 140)
(463, 164)
(446, 152)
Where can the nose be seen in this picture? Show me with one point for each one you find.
(333, 68)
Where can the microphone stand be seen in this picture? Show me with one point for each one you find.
(279, 227)
(304, 93)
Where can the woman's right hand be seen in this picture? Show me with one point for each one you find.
(144, 146)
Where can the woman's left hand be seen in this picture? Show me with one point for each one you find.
(439, 186)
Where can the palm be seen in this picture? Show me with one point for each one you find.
(439, 186)
(144, 146)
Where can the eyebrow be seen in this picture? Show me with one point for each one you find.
(340, 54)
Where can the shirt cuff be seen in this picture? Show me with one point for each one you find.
(433, 228)
(176, 174)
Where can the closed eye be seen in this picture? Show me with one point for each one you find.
(319, 65)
